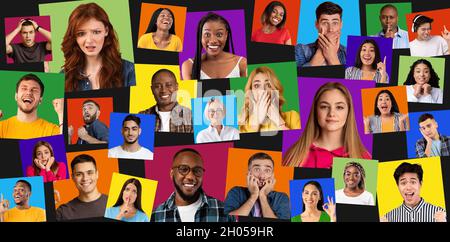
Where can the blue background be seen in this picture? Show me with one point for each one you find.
(296, 188)
(37, 198)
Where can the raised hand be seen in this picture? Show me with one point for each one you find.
(39, 164)
(381, 67)
(389, 32)
(366, 125)
(4, 205)
(262, 106)
(58, 105)
(446, 34)
(82, 133)
(330, 209)
(329, 44)
(426, 89)
(50, 162)
(418, 90)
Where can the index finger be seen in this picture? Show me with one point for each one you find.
(445, 28)
(384, 60)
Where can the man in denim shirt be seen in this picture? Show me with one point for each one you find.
(389, 22)
(326, 50)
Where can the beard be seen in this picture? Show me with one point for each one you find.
(27, 111)
(90, 119)
(187, 198)
(130, 142)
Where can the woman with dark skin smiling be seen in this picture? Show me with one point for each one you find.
(273, 21)
(422, 83)
(354, 191)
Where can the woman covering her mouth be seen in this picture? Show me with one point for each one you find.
(273, 28)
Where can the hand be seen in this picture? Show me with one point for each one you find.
(384, 219)
(330, 209)
(35, 25)
(389, 32)
(19, 25)
(366, 125)
(446, 34)
(252, 184)
(4, 205)
(426, 89)
(428, 139)
(403, 120)
(124, 209)
(261, 106)
(329, 46)
(50, 162)
(70, 130)
(1, 114)
(38, 163)
(418, 90)
(82, 133)
(57, 196)
(381, 67)
(58, 105)
(268, 187)
(440, 216)
(273, 111)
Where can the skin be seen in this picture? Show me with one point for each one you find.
(329, 28)
(384, 105)
(85, 177)
(216, 114)
(424, 32)
(311, 196)
(164, 22)
(188, 186)
(90, 114)
(422, 76)
(164, 89)
(275, 19)
(44, 159)
(28, 35)
(129, 196)
(131, 132)
(367, 56)
(352, 177)
(429, 130)
(389, 22)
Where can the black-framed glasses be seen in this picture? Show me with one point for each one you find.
(185, 169)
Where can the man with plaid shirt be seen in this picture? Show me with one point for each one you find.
(432, 143)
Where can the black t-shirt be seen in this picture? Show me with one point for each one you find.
(77, 209)
(24, 54)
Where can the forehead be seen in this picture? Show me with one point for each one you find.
(91, 23)
(427, 122)
(352, 169)
(83, 167)
(332, 96)
(42, 148)
(215, 104)
(89, 105)
(165, 12)
(409, 176)
(389, 11)
(261, 77)
(188, 158)
(278, 8)
(27, 28)
(368, 45)
(311, 188)
(214, 25)
(328, 17)
(421, 66)
(130, 123)
(262, 162)
(425, 25)
(164, 77)
(384, 95)
(21, 185)
(131, 186)
(29, 83)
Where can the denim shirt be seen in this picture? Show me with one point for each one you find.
(304, 54)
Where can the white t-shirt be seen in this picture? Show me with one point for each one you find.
(365, 198)
(142, 154)
(435, 46)
(165, 121)
(187, 213)
(434, 97)
(210, 134)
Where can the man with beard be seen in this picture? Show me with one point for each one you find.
(389, 22)
(170, 116)
(189, 203)
(90, 202)
(131, 149)
(28, 51)
(22, 212)
(26, 124)
(258, 199)
(94, 131)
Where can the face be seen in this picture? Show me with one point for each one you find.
(21, 194)
(429, 128)
(164, 89)
(423, 32)
(367, 54)
(214, 37)
(130, 132)
(85, 177)
(90, 112)
(28, 35)
(261, 83)
(28, 96)
(352, 177)
(329, 24)
(332, 111)
(276, 16)
(216, 113)
(262, 170)
(422, 74)
(43, 154)
(409, 187)
(389, 18)
(384, 103)
(311, 195)
(187, 180)
(130, 193)
(91, 37)
(164, 20)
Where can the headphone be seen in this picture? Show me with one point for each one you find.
(414, 22)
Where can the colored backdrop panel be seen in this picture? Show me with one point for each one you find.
(37, 198)
(405, 63)
(440, 18)
(369, 95)
(296, 190)
(373, 16)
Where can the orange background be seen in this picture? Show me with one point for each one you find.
(106, 167)
(147, 10)
(368, 99)
(292, 12)
(440, 19)
(237, 169)
(75, 113)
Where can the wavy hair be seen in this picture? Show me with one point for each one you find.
(434, 78)
(376, 60)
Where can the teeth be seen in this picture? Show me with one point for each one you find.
(213, 46)
(165, 96)
(189, 185)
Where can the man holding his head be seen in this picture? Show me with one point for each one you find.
(94, 131)
(433, 143)
(389, 22)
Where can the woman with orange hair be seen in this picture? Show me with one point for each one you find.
(91, 52)
(330, 131)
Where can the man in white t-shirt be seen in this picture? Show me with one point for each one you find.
(426, 44)
(131, 149)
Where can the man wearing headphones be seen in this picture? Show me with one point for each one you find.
(425, 44)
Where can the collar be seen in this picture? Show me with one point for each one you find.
(340, 152)
(174, 107)
(416, 208)
(170, 203)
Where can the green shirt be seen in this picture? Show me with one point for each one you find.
(323, 217)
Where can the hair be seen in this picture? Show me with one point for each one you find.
(274, 81)
(377, 59)
(434, 79)
(357, 165)
(152, 25)
(31, 77)
(186, 150)
(92, 101)
(260, 156)
(132, 117)
(211, 101)
(298, 152)
(137, 203)
(27, 22)
(394, 108)
(419, 20)
(26, 183)
(83, 158)
(38, 144)
(328, 8)
(156, 75)
(388, 6)
(265, 17)
(210, 17)
(425, 116)
(406, 167)
(319, 187)
(110, 74)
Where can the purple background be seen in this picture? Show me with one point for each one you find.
(11, 24)
(307, 89)
(384, 44)
(234, 17)
(27, 146)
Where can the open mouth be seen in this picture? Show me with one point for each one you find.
(27, 100)
(384, 108)
(213, 47)
(90, 48)
(276, 20)
(166, 22)
(409, 195)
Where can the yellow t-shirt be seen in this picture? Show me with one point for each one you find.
(14, 129)
(33, 214)
(388, 126)
(292, 119)
(146, 41)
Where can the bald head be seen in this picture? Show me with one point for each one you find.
(187, 153)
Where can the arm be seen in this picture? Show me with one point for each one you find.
(30, 170)
(244, 209)
(58, 105)
(11, 36)
(186, 70)
(243, 67)
(288, 42)
(45, 33)
(83, 134)
(267, 211)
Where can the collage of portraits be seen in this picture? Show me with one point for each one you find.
(225, 111)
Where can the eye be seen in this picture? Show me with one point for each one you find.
(219, 35)
(340, 107)
(207, 35)
(256, 85)
(80, 34)
(97, 31)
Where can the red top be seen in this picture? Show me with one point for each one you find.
(49, 176)
(322, 158)
(279, 36)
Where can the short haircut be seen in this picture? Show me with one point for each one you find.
(186, 150)
(27, 22)
(406, 167)
(211, 101)
(156, 75)
(83, 158)
(31, 77)
(419, 20)
(388, 6)
(425, 116)
(132, 117)
(92, 101)
(26, 183)
(328, 8)
(260, 156)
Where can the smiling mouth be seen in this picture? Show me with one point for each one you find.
(213, 47)
(189, 185)
(409, 195)
(27, 100)
(275, 20)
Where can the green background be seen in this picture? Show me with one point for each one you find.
(286, 73)
(405, 63)
(118, 13)
(373, 16)
(370, 167)
(54, 88)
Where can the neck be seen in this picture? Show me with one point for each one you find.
(23, 206)
(218, 127)
(162, 34)
(26, 117)
(330, 140)
(89, 197)
(386, 115)
(93, 63)
(353, 190)
(415, 204)
(366, 68)
(436, 136)
(309, 210)
(131, 147)
(268, 28)
(166, 108)
(179, 201)
(219, 56)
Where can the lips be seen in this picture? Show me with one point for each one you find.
(27, 100)
(409, 195)
(213, 47)
(276, 20)
(90, 48)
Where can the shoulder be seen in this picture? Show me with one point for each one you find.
(352, 69)
(279, 195)
(175, 38)
(151, 110)
(214, 202)
(237, 190)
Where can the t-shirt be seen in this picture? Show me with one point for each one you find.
(165, 121)
(187, 213)
(32, 214)
(365, 198)
(142, 154)
(112, 213)
(436, 148)
(279, 36)
(146, 41)
(14, 129)
(435, 46)
(77, 209)
(96, 129)
(24, 54)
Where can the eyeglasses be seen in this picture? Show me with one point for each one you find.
(212, 111)
(184, 170)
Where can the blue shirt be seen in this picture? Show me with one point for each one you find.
(400, 41)
(278, 201)
(112, 213)
(96, 129)
(304, 54)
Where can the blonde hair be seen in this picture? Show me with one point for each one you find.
(211, 101)
(297, 153)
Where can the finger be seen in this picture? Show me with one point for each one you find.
(445, 29)
(384, 61)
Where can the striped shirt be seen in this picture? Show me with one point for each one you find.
(354, 73)
(423, 212)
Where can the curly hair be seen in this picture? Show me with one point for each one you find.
(434, 79)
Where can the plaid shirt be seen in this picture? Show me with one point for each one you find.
(210, 210)
(180, 119)
(421, 145)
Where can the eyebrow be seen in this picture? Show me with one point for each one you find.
(325, 102)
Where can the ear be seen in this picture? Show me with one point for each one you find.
(98, 113)
(171, 174)
(106, 31)
(140, 131)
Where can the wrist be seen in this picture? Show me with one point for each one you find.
(37, 28)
